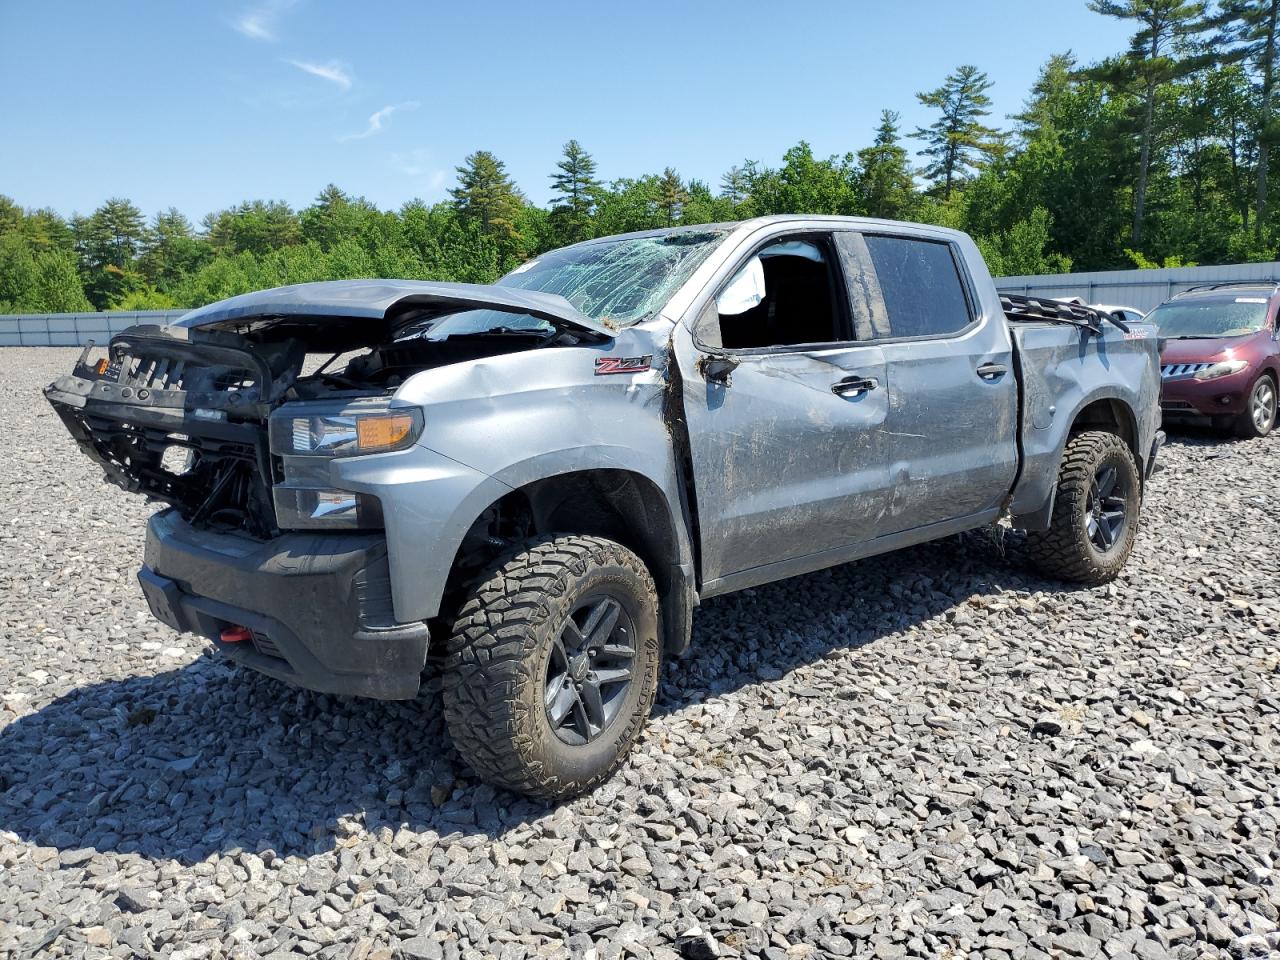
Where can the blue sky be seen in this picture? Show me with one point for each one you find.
(200, 105)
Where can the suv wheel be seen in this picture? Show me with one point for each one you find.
(1260, 413)
(1095, 513)
(552, 667)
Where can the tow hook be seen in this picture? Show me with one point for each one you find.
(236, 634)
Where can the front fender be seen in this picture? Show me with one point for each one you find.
(429, 502)
(499, 423)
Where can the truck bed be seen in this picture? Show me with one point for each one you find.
(1063, 367)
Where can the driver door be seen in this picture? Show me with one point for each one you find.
(788, 452)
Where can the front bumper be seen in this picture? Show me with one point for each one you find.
(318, 605)
(1188, 397)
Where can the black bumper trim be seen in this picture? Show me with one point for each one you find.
(307, 595)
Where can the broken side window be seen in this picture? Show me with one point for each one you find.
(784, 295)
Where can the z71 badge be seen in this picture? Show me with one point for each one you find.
(607, 365)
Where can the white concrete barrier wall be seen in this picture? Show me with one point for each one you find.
(74, 329)
(1144, 289)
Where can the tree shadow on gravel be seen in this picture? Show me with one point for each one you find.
(211, 758)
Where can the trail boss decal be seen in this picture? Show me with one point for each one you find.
(608, 365)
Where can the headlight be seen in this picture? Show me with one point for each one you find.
(325, 508)
(307, 436)
(348, 432)
(1223, 369)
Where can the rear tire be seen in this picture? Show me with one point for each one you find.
(1095, 513)
(552, 667)
(1259, 415)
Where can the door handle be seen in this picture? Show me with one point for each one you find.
(854, 386)
(992, 371)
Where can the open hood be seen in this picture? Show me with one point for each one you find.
(342, 315)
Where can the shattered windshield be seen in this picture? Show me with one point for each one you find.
(618, 281)
(1210, 319)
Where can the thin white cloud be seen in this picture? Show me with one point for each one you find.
(377, 119)
(417, 165)
(332, 70)
(259, 22)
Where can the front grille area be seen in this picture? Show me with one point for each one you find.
(1177, 371)
(156, 373)
(1175, 405)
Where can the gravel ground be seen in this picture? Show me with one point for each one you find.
(932, 754)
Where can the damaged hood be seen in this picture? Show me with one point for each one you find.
(347, 314)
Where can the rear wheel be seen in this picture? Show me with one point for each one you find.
(1259, 416)
(553, 665)
(1095, 512)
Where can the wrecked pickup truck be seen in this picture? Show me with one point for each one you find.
(543, 477)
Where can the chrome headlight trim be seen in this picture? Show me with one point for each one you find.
(1223, 368)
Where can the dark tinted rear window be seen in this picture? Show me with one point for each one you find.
(921, 287)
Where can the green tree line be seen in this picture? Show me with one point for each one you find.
(1156, 156)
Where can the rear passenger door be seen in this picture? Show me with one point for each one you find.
(953, 398)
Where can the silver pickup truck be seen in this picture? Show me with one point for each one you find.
(543, 477)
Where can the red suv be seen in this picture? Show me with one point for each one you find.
(1221, 356)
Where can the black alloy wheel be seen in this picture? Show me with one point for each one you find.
(1107, 507)
(589, 670)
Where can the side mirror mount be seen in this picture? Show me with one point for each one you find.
(717, 368)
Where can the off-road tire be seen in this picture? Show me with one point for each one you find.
(1065, 551)
(497, 660)
(1245, 426)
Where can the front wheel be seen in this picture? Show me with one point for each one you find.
(1260, 413)
(1095, 513)
(552, 667)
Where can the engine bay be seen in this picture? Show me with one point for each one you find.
(180, 415)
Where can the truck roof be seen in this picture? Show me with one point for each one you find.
(728, 226)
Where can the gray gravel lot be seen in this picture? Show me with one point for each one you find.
(932, 754)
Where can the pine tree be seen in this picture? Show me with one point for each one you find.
(172, 250)
(1148, 64)
(671, 197)
(735, 185)
(1247, 33)
(335, 216)
(575, 194)
(958, 140)
(486, 195)
(1052, 87)
(109, 243)
(885, 182)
